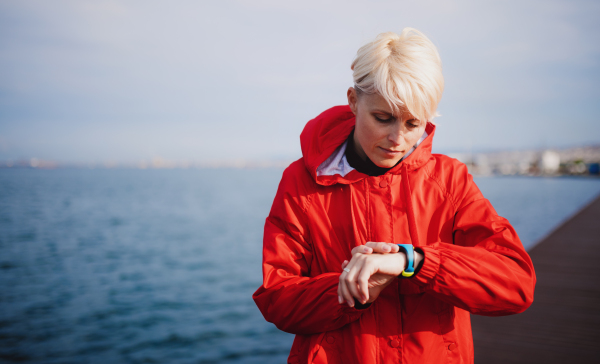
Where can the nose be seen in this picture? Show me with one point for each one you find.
(396, 133)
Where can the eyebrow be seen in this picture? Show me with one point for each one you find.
(392, 114)
(383, 112)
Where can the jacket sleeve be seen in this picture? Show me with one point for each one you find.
(485, 268)
(290, 297)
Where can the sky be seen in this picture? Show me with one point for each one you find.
(124, 81)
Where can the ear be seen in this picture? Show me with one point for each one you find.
(352, 99)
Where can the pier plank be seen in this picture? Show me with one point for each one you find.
(563, 323)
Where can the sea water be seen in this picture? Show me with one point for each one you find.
(158, 266)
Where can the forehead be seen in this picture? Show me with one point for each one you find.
(376, 102)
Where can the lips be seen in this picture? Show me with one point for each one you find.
(390, 151)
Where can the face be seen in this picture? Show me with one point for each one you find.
(379, 134)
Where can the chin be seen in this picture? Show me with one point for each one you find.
(386, 163)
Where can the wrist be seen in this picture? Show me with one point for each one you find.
(418, 259)
(403, 261)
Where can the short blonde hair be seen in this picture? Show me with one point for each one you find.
(405, 69)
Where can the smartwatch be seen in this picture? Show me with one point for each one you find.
(409, 250)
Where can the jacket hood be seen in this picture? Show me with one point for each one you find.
(324, 137)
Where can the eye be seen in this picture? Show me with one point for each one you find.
(383, 119)
(413, 123)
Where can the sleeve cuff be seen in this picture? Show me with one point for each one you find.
(360, 306)
(429, 268)
(352, 313)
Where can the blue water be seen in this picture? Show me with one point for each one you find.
(158, 266)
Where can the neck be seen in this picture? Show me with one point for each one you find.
(357, 148)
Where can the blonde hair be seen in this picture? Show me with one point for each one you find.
(405, 69)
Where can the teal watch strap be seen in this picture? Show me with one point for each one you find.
(409, 250)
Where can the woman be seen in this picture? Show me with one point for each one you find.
(367, 175)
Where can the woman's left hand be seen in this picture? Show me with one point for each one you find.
(366, 275)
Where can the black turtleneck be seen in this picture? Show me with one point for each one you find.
(363, 166)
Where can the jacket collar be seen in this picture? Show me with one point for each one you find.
(324, 137)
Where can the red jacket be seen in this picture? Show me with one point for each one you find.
(474, 261)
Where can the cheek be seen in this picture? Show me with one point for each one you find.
(367, 136)
(363, 134)
(413, 138)
(371, 134)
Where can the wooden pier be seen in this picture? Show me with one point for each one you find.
(563, 323)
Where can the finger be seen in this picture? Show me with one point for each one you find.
(373, 245)
(394, 248)
(363, 273)
(344, 293)
(346, 280)
(363, 284)
(388, 247)
(362, 249)
(339, 293)
(351, 278)
(369, 266)
(382, 247)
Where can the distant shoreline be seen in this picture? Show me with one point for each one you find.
(262, 165)
(576, 161)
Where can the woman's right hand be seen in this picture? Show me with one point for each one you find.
(376, 247)
(378, 281)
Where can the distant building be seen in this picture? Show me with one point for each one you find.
(570, 161)
(550, 162)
